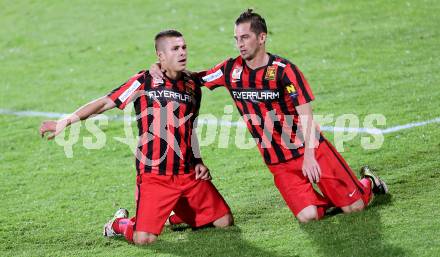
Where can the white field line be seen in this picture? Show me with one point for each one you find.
(202, 121)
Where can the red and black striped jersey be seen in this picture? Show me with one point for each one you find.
(266, 98)
(165, 113)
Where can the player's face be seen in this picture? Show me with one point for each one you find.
(247, 41)
(172, 56)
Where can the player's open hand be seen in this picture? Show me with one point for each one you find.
(202, 172)
(53, 127)
(311, 169)
(156, 72)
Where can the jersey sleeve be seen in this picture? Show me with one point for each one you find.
(296, 85)
(125, 93)
(214, 77)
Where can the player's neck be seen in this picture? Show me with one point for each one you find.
(172, 74)
(261, 59)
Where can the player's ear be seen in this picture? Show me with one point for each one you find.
(160, 55)
(160, 49)
(262, 38)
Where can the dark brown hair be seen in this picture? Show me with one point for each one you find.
(258, 24)
(166, 33)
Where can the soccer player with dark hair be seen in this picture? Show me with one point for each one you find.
(273, 97)
(170, 174)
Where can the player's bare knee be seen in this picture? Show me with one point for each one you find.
(225, 221)
(306, 218)
(355, 207)
(144, 238)
(308, 214)
(144, 241)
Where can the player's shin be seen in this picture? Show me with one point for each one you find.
(367, 196)
(124, 226)
(175, 220)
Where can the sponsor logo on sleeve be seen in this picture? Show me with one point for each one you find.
(211, 77)
(291, 90)
(129, 91)
(279, 64)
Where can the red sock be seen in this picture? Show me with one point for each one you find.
(366, 183)
(321, 212)
(125, 227)
(175, 220)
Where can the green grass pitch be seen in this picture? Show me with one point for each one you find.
(360, 57)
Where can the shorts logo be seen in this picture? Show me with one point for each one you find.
(351, 194)
(270, 73)
(236, 74)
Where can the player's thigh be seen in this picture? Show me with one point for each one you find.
(338, 182)
(155, 201)
(201, 204)
(296, 190)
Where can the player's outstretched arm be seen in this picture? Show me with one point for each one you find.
(310, 167)
(97, 106)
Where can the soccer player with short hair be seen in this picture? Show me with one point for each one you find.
(273, 97)
(170, 174)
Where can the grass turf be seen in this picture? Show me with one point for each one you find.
(360, 57)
